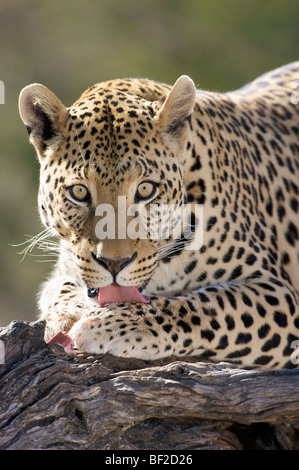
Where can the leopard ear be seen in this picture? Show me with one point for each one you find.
(44, 117)
(177, 107)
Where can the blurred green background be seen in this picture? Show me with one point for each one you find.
(70, 45)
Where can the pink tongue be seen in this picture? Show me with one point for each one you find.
(120, 294)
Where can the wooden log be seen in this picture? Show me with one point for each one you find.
(51, 400)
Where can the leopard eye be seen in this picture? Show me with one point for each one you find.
(79, 193)
(145, 190)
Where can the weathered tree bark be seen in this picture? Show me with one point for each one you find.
(50, 400)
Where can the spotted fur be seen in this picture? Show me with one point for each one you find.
(233, 299)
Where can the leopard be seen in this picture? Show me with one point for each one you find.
(224, 289)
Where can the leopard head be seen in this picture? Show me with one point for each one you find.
(120, 147)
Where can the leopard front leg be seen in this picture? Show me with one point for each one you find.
(250, 324)
(127, 330)
(62, 303)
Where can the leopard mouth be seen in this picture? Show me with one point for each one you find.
(114, 293)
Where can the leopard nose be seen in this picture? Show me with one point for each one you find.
(114, 266)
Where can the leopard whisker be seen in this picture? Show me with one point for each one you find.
(38, 241)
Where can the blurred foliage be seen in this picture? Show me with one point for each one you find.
(73, 44)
